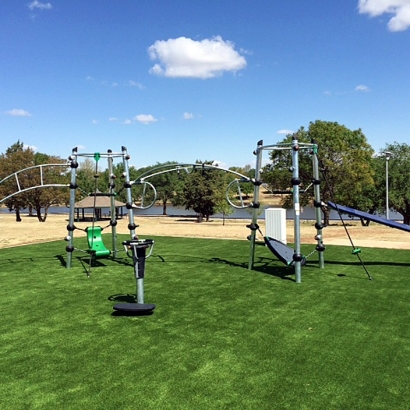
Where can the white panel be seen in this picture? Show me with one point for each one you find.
(275, 221)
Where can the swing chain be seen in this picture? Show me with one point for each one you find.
(310, 254)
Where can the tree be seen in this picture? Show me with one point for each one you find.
(167, 184)
(399, 179)
(246, 188)
(222, 206)
(345, 161)
(200, 188)
(44, 198)
(16, 158)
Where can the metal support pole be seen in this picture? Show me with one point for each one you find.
(296, 208)
(258, 152)
(73, 187)
(131, 225)
(113, 216)
(388, 155)
(318, 204)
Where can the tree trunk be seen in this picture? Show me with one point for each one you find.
(365, 222)
(326, 216)
(39, 216)
(18, 216)
(164, 208)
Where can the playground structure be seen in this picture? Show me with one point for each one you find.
(96, 246)
(97, 249)
(282, 251)
(291, 257)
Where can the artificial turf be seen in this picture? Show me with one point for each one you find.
(221, 336)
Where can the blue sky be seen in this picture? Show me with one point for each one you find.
(185, 80)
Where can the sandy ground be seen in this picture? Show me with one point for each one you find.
(30, 230)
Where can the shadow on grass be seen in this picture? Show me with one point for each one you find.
(262, 265)
(122, 298)
(119, 298)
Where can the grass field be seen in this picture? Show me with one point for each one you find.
(221, 336)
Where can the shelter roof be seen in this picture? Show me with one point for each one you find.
(100, 202)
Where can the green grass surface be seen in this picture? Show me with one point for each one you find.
(221, 336)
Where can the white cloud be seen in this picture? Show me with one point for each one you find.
(220, 164)
(284, 132)
(186, 58)
(38, 5)
(113, 119)
(399, 8)
(18, 112)
(362, 88)
(188, 116)
(32, 147)
(94, 121)
(132, 83)
(145, 119)
(127, 122)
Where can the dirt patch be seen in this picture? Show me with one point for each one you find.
(30, 230)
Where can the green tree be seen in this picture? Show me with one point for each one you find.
(222, 206)
(19, 158)
(16, 158)
(345, 161)
(399, 179)
(168, 184)
(200, 188)
(44, 198)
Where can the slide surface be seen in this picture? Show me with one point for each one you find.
(360, 214)
(281, 251)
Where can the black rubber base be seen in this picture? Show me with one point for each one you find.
(134, 307)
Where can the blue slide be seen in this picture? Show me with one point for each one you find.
(374, 218)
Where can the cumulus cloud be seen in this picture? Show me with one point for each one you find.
(188, 116)
(400, 9)
(32, 147)
(18, 112)
(284, 132)
(362, 88)
(145, 119)
(219, 164)
(132, 83)
(186, 58)
(38, 5)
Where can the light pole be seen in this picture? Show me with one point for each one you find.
(387, 154)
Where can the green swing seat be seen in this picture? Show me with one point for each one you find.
(95, 243)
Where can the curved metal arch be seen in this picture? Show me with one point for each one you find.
(188, 168)
(34, 187)
(42, 184)
(146, 183)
